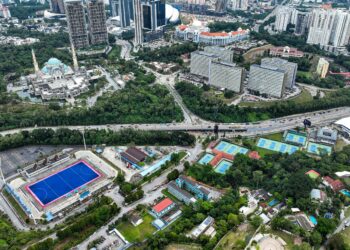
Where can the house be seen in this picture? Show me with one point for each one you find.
(162, 208)
(312, 174)
(180, 194)
(264, 218)
(135, 219)
(194, 187)
(335, 185)
(197, 231)
(318, 195)
(254, 155)
(251, 206)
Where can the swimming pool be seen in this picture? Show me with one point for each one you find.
(206, 159)
(345, 192)
(223, 166)
(230, 148)
(313, 220)
(61, 183)
(273, 203)
(276, 146)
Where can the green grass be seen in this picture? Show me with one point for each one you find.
(16, 206)
(347, 212)
(183, 247)
(275, 136)
(139, 233)
(235, 240)
(303, 97)
(289, 239)
(346, 236)
(340, 144)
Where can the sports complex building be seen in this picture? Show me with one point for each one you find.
(60, 184)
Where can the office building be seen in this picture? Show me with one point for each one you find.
(322, 67)
(288, 67)
(97, 22)
(153, 12)
(220, 6)
(239, 4)
(200, 63)
(77, 27)
(114, 7)
(329, 28)
(124, 9)
(224, 54)
(266, 80)
(193, 187)
(226, 75)
(138, 38)
(181, 194)
(301, 24)
(283, 18)
(57, 6)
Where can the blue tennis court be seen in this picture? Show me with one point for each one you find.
(276, 146)
(230, 148)
(223, 166)
(206, 159)
(295, 138)
(316, 148)
(62, 183)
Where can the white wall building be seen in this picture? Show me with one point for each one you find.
(239, 4)
(283, 18)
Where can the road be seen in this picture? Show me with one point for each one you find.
(245, 129)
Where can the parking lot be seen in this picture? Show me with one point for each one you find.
(13, 159)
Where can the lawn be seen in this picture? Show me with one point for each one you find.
(346, 235)
(237, 239)
(16, 206)
(303, 97)
(139, 233)
(167, 194)
(183, 247)
(275, 136)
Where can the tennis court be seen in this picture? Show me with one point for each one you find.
(223, 166)
(295, 138)
(316, 148)
(206, 159)
(230, 148)
(276, 146)
(63, 182)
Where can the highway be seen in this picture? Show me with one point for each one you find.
(322, 117)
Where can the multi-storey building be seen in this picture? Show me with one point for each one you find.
(286, 52)
(283, 18)
(97, 21)
(200, 63)
(267, 80)
(322, 67)
(302, 23)
(224, 54)
(114, 7)
(288, 67)
(57, 6)
(124, 9)
(239, 4)
(226, 75)
(138, 20)
(153, 12)
(329, 28)
(193, 187)
(77, 27)
(163, 207)
(181, 194)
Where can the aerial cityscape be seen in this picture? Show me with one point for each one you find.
(175, 124)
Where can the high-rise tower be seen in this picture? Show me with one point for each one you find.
(138, 18)
(97, 21)
(77, 27)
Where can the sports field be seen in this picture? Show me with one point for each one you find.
(295, 138)
(206, 159)
(63, 182)
(230, 148)
(316, 148)
(223, 166)
(277, 146)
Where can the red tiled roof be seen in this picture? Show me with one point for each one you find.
(335, 184)
(162, 205)
(214, 33)
(254, 155)
(182, 27)
(312, 172)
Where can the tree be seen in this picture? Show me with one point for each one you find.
(173, 175)
(316, 238)
(325, 226)
(233, 220)
(256, 221)
(336, 242)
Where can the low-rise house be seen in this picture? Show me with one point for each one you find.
(197, 231)
(162, 208)
(318, 195)
(135, 219)
(335, 185)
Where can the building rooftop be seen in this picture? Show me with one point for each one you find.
(162, 205)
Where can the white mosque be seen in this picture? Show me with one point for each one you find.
(56, 80)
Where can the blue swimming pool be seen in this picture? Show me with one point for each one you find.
(345, 192)
(273, 202)
(223, 166)
(63, 182)
(313, 220)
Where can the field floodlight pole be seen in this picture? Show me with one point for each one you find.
(83, 131)
(2, 174)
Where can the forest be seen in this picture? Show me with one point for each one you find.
(209, 107)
